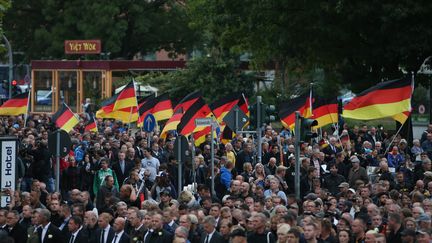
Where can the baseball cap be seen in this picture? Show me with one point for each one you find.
(424, 217)
(408, 232)
(344, 184)
(352, 190)
(311, 196)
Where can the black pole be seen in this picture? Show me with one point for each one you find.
(430, 101)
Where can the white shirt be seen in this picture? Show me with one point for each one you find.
(44, 230)
(139, 227)
(65, 222)
(119, 235)
(74, 235)
(106, 231)
(171, 223)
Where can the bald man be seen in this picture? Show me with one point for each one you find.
(120, 235)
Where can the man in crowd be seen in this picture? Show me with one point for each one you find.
(337, 193)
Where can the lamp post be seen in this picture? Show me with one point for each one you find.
(10, 55)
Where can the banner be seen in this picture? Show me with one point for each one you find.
(8, 168)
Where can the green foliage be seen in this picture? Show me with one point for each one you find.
(125, 28)
(420, 96)
(4, 6)
(355, 43)
(215, 76)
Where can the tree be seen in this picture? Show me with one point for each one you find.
(125, 28)
(355, 43)
(216, 75)
(4, 5)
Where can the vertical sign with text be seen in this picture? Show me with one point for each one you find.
(8, 162)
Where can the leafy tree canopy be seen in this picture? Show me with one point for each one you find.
(125, 28)
(216, 75)
(356, 43)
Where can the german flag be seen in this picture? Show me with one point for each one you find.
(91, 126)
(224, 105)
(200, 136)
(163, 109)
(385, 99)
(17, 105)
(287, 110)
(65, 119)
(325, 111)
(126, 98)
(401, 117)
(178, 112)
(199, 109)
(124, 115)
(160, 107)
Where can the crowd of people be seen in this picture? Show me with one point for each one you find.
(358, 184)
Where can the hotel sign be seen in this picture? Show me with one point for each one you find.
(82, 46)
(8, 155)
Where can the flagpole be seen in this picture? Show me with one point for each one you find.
(394, 137)
(130, 115)
(28, 108)
(338, 135)
(130, 119)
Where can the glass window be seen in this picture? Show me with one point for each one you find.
(67, 82)
(43, 83)
(92, 87)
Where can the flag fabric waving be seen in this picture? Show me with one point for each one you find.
(160, 107)
(325, 111)
(126, 98)
(287, 110)
(17, 105)
(224, 105)
(199, 109)
(385, 99)
(91, 126)
(178, 112)
(65, 119)
(107, 111)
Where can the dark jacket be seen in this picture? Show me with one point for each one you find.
(18, 233)
(122, 176)
(159, 236)
(53, 235)
(124, 238)
(109, 238)
(332, 182)
(137, 235)
(216, 238)
(82, 236)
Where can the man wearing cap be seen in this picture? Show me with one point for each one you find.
(408, 236)
(357, 172)
(343, 189)
(424, 221)
(165, 197)
(333, 180)
(423, 236)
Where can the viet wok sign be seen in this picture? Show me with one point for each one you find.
(82, 46)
